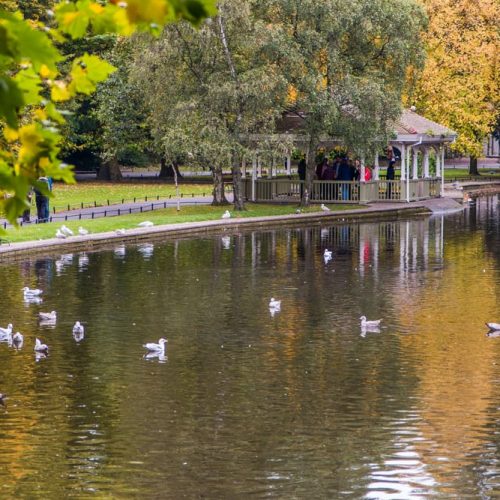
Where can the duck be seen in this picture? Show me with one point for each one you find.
(159, 348)
(146, 223)
(226, 215)
(274, 304)
(51, 316)
(327, 256)
(78, 328)
(66, 230)
(18, 339)
(82, 231)
(39, 347)
(120, 231)
(60, 235)
(325, 208)
(32, 292)
(6, 331)
(369, 324)
(493, 326)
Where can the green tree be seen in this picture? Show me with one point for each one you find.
(345, 63)
(209, 89)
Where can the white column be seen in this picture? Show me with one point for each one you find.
(254, 175)
(442, 171)
(288, 164)
(273, 167)
(259, 167)
(243, 167)
(376, 168)
(403, 169)
(426, 163)
(415, 163)
(362, 170)
(438, 163)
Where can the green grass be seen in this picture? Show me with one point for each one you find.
(33, 232)
(463, 173)
(99, 193)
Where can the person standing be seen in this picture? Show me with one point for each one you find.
(301, 170)
(42, 201)
(390, 176)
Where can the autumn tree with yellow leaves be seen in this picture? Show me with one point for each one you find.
(460, 83)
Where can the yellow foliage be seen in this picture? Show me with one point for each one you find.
(460, 84)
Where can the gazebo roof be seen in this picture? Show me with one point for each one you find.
(411, 123)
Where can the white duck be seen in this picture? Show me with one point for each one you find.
(324, 208)
(159, 348)
(369, 324)
(6, 331)
(66, 230)
(226, 215)
(39, 347)
(18, 339)
(493, 326)
(78, 328)
(60, 235)
(274, 304)
(146, 223)
(51, 316)
(327, 256)
(82, 231)
(120, 231)
(32, 292)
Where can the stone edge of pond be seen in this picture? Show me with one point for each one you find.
(189, 229)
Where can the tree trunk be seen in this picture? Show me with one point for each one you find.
(239, 202)
(218, 192)
(167, 170)
(473, 170)
(110, 171)
(310, 172)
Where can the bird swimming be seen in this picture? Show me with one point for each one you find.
(369, 324)
(160, 347)
(78, 328)
(18, 338)
(274, 304)
(6, 331)
(51, 316)
(327, 256)
(493, 326)
(39, 347)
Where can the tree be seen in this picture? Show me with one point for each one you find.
(208, 89)
(460, 84)
(345, 63)
(32, 85)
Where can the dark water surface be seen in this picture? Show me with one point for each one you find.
(300, 405)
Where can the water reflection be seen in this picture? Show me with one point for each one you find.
(300, 404)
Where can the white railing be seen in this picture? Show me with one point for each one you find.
(290, 190)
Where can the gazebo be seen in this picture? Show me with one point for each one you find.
(417, 139)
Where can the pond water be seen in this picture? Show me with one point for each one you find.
(302, 404)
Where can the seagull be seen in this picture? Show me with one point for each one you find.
(32, 292)
(275, 304)
(298, 211)
(83, 231)
(51, 316)
(78, 328)
(324, 208)
(146, 223)
(492, 326)
(6, 331)
(39, 347)
(60, 234)
(66, 230)
(327, 256)
(226, 215)
(18, 339)
(369, 324)
(120, 231)
(158, 348)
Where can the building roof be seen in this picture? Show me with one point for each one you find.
(412, 123)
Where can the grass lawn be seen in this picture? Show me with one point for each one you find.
(463, 173)
(98, 193)
(33, 232)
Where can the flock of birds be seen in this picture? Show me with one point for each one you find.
(65, 232)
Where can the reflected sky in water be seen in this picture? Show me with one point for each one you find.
(299, 403)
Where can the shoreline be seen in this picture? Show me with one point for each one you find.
(92, 242)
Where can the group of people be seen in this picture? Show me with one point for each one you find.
(340, 169)
(41, 200)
